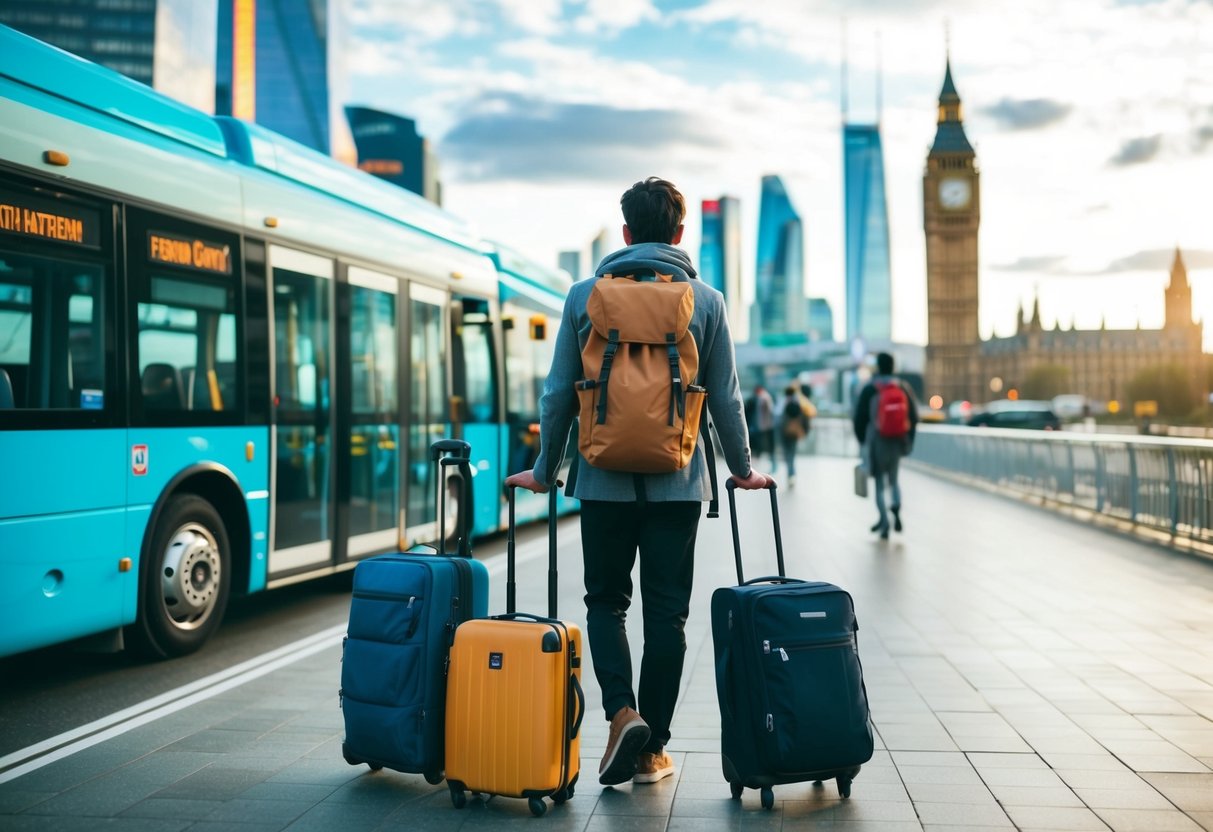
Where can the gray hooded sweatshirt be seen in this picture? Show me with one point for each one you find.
(717, 372)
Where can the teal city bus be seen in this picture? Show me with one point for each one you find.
(223, 358)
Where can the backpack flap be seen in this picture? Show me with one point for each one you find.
(640, 410)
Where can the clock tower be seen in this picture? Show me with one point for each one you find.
(951, 214)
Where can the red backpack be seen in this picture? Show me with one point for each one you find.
(892, 410)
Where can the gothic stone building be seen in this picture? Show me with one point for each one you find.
(959, 366)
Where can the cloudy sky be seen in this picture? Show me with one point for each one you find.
(1092, 120)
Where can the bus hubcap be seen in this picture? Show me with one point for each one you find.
(190, 575)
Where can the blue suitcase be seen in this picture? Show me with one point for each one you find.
(403, 615)
(793, 706)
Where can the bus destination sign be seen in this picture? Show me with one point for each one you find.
(189, 252)
(46, 219)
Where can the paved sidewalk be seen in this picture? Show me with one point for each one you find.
(1025, 672)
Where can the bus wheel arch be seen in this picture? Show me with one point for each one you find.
(195, 552)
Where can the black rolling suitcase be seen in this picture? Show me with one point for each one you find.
(793, 707)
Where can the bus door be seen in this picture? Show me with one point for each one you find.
(301, 288)
(428, 409)
(371, 478)
(475, 407)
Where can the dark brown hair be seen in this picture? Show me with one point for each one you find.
(653, 210)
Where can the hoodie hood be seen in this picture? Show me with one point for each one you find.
(660, 257)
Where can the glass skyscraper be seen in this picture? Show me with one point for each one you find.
(720, 255)
(166, 44)
(272, 67)
(869, 286)
(779, 303)
(390, 147)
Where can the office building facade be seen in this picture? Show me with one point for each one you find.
(273, 65)
(868, 278)
(720, 256)
(779, 304)
(390, 147)
(167, 44)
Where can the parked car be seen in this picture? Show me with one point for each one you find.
(1031, 415)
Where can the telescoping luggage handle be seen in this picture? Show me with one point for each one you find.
(510, 601)
(731, 486)
(448, 452)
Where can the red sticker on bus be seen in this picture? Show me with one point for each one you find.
(139, 460)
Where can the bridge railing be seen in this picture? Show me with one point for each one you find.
(1154, 483)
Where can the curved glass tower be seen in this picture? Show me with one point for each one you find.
(869, 286)
(779, 277)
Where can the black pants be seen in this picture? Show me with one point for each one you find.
(664, 533)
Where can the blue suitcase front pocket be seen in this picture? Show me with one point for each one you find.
(382, 674)
(385, 617)
(386, 735)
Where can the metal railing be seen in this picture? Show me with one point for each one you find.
(1160, 484)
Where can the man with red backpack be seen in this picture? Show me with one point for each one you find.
(885, 420)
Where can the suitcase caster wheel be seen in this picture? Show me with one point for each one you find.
(458, 798)
(563, 795)
(374, 767)
(537, 806)
(433, 777)
(736, 789)
(844, 786)
(768, 799)
(816, 782)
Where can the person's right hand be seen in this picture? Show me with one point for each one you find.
(753, 482)
(526, 479)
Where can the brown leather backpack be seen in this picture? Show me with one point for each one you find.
(640, 408)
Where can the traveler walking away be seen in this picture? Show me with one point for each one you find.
(885, 421)
(795, 421)
(762, 423)
(647, 507)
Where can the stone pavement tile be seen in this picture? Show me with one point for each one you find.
(225, 826)
(711, 811)
(1087, 762)
(334, 772)
(241, 810)
(167, 767)
(1205, 819)
(215, 782)
(325, 817)
(1036, 796)
(620, 801)
(83, 766)
(270, 790)
(100, 797)
(877, 826)
(215, 740)
(1142, 797)
(883, 810)
(30, 823)
(1086, 779)
(940, 775)
(626, 823)
(983, 761)
(13, 801)
(1055, 817)
(1033, 777)
(171, 807)
(972, 743)
(962, 814)
(1144, 820)
(1190, 792)
(940, 793)
(929, 758)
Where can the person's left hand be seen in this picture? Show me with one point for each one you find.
(526, 479)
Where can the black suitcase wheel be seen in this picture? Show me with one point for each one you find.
(768, 798)
(563, 795)
(537, 806)
(458, 798)
(844, 786)
(375, 767)
(736, 789)
(433, 777)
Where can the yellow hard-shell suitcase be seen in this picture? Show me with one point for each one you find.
(514, 700)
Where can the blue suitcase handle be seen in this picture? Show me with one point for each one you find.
(731, 486)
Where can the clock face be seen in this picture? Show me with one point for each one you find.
(954, 193)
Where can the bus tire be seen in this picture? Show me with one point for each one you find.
(186, 578)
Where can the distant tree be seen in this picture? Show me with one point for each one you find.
(1044, 381)
(1168, 385)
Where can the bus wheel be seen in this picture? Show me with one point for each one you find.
(186, 579)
